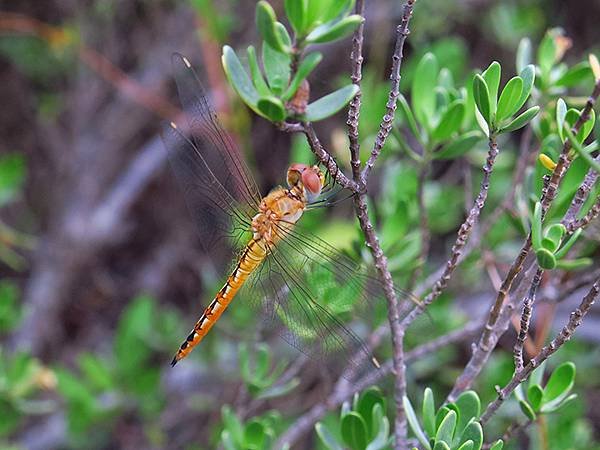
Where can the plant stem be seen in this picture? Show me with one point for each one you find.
(575, 319)
(526, 319)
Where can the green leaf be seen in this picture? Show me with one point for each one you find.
(534, 396)
(423, 89)
(440, 445)
(545, 259)
(511, 94)
(575, 75)
(574, 264)
(96, 371)
(381, 440)
(468, 445)
(327, 437)
(440, 415)
(429, 412)
(497, 445)
(527, 410)
(491, 75)
(307, 65)
(413, 422)
(12, 176)
(568, 244)
(482, 98)
(256, 74)
(445, 431)
(459, 146)
(546, 54)
(330, 104)
(232, 424)
(334, 9)
(277, 68)
(332, 31)
(553, 236)
(469, 406)
(523, 54)
(296, 14)
(271, 108)
(473, 432)
(528, 77)
(238, 78)
(450, 121)
(354, 430)
(557, 404)
(560, 383)
(521, 120)
(365, 405)
(410, 118)
(265, 22)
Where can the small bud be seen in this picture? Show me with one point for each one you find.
(547, 161)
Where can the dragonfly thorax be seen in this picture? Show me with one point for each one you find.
(278, 212)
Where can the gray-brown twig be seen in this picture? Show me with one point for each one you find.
(526, 319)
(575, 319)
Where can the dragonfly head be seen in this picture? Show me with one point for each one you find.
(309, 178)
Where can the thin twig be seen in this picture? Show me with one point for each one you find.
(463, 236)
(489, 336)
(575, 319)
(327, 160)
(354, 110)
(585, 220)
(526, 319)
(388, 119)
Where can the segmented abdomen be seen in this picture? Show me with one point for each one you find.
(252, 256)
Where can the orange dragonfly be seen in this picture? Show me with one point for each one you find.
(273, 253)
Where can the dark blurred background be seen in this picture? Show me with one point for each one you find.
(103, 251)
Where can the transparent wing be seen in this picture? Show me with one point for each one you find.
(220, 192)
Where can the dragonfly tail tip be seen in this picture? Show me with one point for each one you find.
(174, 362)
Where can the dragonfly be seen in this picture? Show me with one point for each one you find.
(270, 251)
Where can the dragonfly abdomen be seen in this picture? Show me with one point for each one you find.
(253, 254)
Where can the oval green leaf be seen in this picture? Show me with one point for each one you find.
(296, 14)
(469, 406)
(491, 75)
(459, 146)
(509, 99)
(523, 54)
(482, 98)
(257, 77)
(354, 430)
(332, 31)
(468, 445)
(265, 22)
(334, 9)
(327, 437)
(450, 121)
(473, 432)
(413, 422)
(561, 114)
(527, 410)
(238, 78)
(545, 259)
(576, 75)
(330, 104)
(560, 383)
(521, 120)
(423, 89)
(429, 412)
(528, 77)
(534, 396)
(277, 68)
(445, 431)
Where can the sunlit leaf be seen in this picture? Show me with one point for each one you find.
(508, 102)
(330, 104)
(265, 22)
(332, 31)
(521, 120)
(423, 89)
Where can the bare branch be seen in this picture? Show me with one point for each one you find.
(386, 124)
(575, 319)
(461, 240)
(526, 319)
(356, 77)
